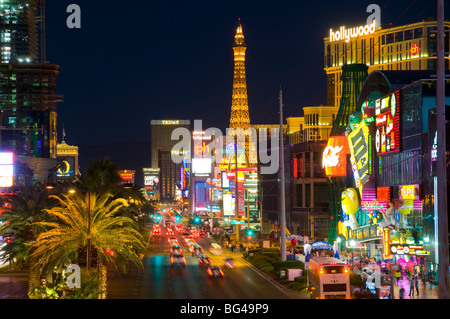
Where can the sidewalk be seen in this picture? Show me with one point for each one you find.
(428, 292)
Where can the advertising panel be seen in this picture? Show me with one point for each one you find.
(201, 166)
(387, 123)
(151, 179)
(334, 158)
(228, 204)
(6, 169)
(358, 142)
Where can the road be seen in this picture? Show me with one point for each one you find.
(159, 281)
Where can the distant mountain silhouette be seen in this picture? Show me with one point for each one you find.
(131, 155)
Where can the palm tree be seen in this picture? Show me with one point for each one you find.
(23, 209)
(101, 174)
(114, 238)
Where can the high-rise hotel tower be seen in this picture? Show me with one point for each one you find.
(27, 82)
(407, 47)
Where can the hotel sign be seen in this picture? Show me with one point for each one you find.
(348, 34)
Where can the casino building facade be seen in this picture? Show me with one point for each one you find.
(387, 48)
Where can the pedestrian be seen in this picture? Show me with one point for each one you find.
(416, 284)
(402, 293)
(397, 275)
(411, 286)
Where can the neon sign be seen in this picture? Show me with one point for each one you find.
(414, 49)
(359, 154)
(387, 135)
(386, 248)
(434, 148)
(334, 158)
(347, 35)
(409, 191)
(201, 149)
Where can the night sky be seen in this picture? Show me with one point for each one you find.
(134, 61)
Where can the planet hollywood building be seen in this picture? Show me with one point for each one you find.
(392, 170)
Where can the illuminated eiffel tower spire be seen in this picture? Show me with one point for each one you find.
(240, 117)
(239, 107)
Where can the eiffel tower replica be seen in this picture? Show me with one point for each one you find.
(353, 77)
(240, 117)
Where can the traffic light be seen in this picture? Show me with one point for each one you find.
(177, 218)
(249, 234)
(158, 217)
(197, 220)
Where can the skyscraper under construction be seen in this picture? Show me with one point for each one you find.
(27, 82)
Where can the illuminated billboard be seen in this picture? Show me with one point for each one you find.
(334, 159)
(6, 169)
(387, 123)
(228, 204)
(358, 142)
(201, 166)
(151, 179)
(66, 168)
(225, 180)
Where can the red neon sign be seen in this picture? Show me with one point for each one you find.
(201, 149)
(414, 49)
(384, 194)
(334, 158)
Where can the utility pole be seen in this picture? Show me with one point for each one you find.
(441, 165)
(236, 189)
(282, 185)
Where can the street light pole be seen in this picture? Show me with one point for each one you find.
(88, 249)
(442, 237)
(282, 185)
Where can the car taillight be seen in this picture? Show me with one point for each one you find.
(321, 271)
(171, 260)
(209, 272)
(345, 269)
(184, 259)
(221, 272)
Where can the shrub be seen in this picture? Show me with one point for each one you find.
(300, 279)
(288, 264)
(297, 285)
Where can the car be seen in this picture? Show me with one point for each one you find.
(176, 257)
(215, 271)
(204, 260)
(191, 246)
(156, 232)
(203, 233)
(169, 232)
(197, 251)
(229, 263)
(173, 241)
(215, 249)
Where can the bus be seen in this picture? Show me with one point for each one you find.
(329, 278)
